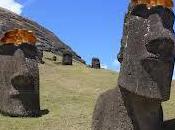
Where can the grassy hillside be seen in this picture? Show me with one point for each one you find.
(69, 93)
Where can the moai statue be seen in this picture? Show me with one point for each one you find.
(147, 63)
(67, 58)
(96, 63)
(19, 74)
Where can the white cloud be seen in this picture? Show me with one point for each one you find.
(116, 64)
(104, 66)
(12, 5)
(174, 75)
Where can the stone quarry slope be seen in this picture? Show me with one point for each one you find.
(47, 40)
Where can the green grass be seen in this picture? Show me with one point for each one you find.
(69, 93)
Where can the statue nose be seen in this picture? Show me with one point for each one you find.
(19, 54)
(162, 47)
(22, 81)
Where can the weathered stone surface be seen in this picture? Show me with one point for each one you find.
(67, 58)
(96, 63)
(147, 52)
(145, 113)
(147, 63)
(19, 79)
(45, 38)
(111, 112)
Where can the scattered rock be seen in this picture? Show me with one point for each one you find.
(67, 58)
(54, 58)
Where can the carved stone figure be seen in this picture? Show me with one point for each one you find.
(67, 58)
(96, 63)
(147, 63)
(19, 74)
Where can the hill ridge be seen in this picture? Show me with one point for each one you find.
(47, 39)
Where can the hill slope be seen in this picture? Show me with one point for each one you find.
(47, 40)
(69, 93)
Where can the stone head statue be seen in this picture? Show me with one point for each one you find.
(67, 58)
(19, 74)
(96, 63)
(147, 52)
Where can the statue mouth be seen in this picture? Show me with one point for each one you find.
(159, 59)
(20, 93)
(153, 58)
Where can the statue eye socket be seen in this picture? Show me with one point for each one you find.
(141, 11)
(7, 49)
(164, 13)
(161, 47)
(29, 51)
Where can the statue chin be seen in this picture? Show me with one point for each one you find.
(23, 104)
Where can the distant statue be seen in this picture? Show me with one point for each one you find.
(147, 63)
(67, 58)
(19, 74)
(96, 63)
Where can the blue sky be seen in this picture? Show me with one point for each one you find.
(93, 28)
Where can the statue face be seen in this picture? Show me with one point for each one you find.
(19, 80)
(159, 64)
(159, 45)
(147, 58)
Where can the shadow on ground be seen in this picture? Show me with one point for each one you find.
(169, 125)
(44, 112)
